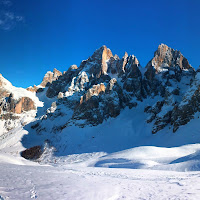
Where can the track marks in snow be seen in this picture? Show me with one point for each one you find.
(33, 193)
(146, 184)
(75, 183)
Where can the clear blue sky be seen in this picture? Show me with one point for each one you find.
(44, 34)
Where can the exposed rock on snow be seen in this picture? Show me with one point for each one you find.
(32, 153)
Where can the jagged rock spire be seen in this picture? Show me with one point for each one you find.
(97, 63)
(166, 57)
(50, 77)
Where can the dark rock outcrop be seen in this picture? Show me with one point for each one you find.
(32, 153)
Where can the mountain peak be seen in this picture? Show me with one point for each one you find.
(50, 77)
(163, 45)
(102, 53)
(97, 63)
(166, 57)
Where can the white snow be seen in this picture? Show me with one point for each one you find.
(45, 182)
(122, 161)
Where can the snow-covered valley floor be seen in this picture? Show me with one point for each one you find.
(75, 177)
(120, 162)
(90, 183)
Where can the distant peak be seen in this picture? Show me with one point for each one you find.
(162, 45)
(165, 57)
(162, 48)
(125, 55)
(104, 46)
(55, 70)
(50, 77)
(103, 51)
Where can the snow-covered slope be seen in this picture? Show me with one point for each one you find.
(44, 182)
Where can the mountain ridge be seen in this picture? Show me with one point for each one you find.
(101, 88)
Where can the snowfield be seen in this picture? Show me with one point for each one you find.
(89, 183)
(145, 172)
(128, 168)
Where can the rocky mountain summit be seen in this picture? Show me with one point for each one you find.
(103, 86)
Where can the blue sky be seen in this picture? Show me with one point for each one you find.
(38, 35)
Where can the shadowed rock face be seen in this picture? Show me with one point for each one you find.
(132, 78)
(62, 82)
(98, 104)
(190, 105)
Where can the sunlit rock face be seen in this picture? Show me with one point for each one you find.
(32, 88)
(9, 102)
(50, 77)
(97, 64)
(166, 57)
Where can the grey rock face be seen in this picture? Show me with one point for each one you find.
(133, 78)
(61, 82)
